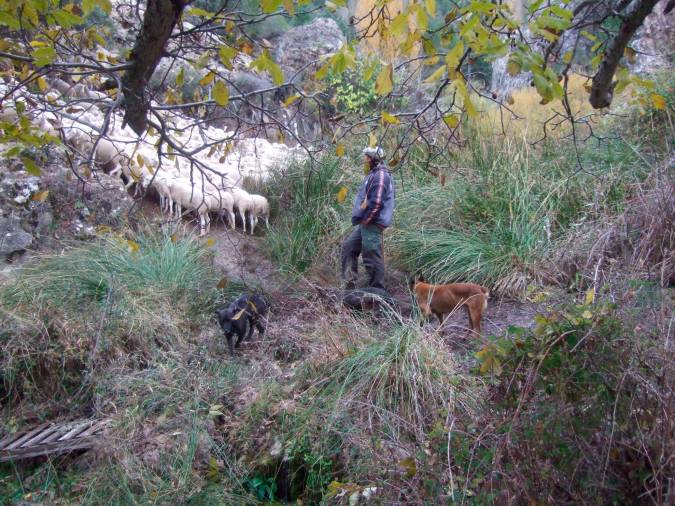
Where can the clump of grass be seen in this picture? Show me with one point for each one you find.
(69, 314)
(304, 199)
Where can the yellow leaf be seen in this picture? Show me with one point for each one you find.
(290, 100)
(658, 101)
(133, 246)
(438, 73)
(174, 237)
(409, 466)
(222, 283)
(140, 159)
(399, 25)
(389, 119)
(180, 78)
(630, 54)
(567, 57)
(40, 196)
(452, 120)
(288, 5)
(431, 7)
(590, 296)
(207, 79)
(587, 315)
(42, 84)
(513, 68)
(372, 140)
(221, 94)
(342, 194)
(340, 150)
(384, 83)
(210, 242)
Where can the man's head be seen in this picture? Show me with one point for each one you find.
(373, 156)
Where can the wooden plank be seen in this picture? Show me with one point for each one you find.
(95, 428)
(56, 429)
(52, 448)
(72, 433)
(52, 436)
(27, 436)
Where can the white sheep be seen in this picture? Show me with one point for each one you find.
(225, 201)
(261, 209)
(190, 197)
(243, 204)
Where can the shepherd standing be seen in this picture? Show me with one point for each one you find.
(372, 213)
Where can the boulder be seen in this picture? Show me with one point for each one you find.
(12, 237)
(303, 44)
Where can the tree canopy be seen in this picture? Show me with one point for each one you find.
(423, 63)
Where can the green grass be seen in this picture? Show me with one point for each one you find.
(307, 211)
(70, 314)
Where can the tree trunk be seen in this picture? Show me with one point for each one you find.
(158, 22)
(602, 90)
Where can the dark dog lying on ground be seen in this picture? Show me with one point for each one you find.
(242, 315)
(359, 299)
(369, 298)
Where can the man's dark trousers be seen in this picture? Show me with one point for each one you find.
(364, 240)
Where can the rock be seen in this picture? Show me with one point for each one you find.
(12, 237)
(45, 218)
(303, 44)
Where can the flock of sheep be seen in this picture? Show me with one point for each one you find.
(206, 192)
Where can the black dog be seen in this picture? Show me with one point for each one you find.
(369, 298)
(246, 312)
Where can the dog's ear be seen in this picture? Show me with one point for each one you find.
(419, 277)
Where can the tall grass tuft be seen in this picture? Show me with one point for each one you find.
(70, 314)
(305, 200)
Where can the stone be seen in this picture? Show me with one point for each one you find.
(303, 44)
(12, 237)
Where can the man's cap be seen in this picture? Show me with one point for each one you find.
(376, 153)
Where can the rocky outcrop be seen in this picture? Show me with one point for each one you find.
(13, 238)
(304, 44)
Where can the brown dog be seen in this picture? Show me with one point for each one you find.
(442, 300)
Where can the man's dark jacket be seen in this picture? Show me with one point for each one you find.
(375, 200)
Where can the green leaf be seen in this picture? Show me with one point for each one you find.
(436, 75)
(9, 20)
(44, 56)
(30, 166)
(180, 78)
(269, 6)
(385, 81)
(66, 19)
(227, 54)
(221, 94)
(454, 56)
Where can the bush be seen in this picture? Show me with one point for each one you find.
(578, 410)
